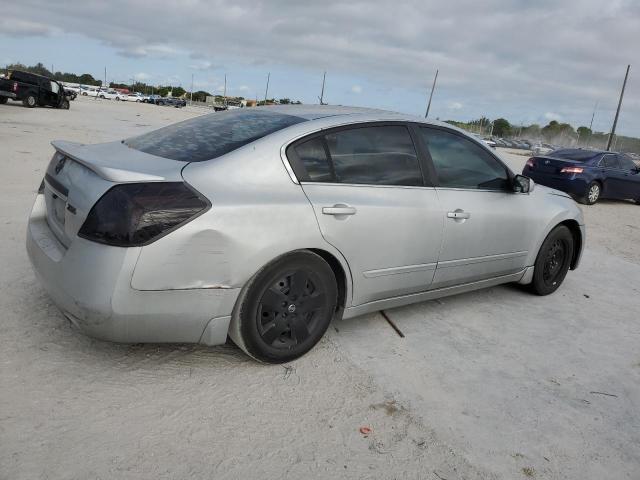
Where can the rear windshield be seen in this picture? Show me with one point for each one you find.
(577, 155)
(210, 136)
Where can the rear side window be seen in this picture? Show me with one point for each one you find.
(460, 163)
(610, 161)
(314, 158)
(210, 136)
(377, 155)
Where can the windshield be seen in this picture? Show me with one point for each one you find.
(577, 155)
(210, 136)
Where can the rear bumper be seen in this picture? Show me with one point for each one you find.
(7, 94)
(91, 284)
(566, 183)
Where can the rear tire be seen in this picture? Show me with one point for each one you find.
(30, 101)
(553, 261)
(592, 195)
(285, 308)
(3, 100)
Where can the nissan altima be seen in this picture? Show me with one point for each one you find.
(265, 224)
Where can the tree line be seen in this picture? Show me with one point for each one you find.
(553, 133)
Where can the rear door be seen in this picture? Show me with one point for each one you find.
(488, 228)
(371, 201)
(615, 184)
(628, 178)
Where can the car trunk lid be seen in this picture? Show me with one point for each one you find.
(78, 175)
(545, 164)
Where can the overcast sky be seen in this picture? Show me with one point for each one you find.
(527, 61)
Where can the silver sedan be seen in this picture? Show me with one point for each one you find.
(264, 224)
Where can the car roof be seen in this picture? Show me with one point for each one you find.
(339, 114)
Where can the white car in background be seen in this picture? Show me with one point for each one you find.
(542, 149)
(135, 97)
(112, 95)
(486, 141)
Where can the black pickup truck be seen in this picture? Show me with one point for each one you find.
(32, 90)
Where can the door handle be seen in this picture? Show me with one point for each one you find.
(339, 209)
(459, 215)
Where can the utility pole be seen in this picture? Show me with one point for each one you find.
(321, 97)
(615, 120)
(224, 93)
(433, 87)
(191, 100)
(266, 90)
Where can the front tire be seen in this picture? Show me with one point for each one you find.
(65, 105)
(285, 308)
(553, 261)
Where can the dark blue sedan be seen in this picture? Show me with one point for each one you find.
(587, 175)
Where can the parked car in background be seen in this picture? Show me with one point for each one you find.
(587, 175)
(157, 238)
(90, 92)
(32, 90)
(71, 94)
(151, 98)
(171, 101)
(542, 149)
(484, 140)
(135, 97)
(112, 95)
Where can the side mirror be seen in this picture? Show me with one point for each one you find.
(522, 184)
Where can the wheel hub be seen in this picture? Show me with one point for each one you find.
(289, 309)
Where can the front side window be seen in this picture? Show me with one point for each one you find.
(376, 155)
(610, 161)
(626, 163)
(460, 163)
(55, 87)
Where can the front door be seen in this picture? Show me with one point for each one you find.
(368, 193)
(487, 233)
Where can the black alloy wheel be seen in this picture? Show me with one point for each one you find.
(285, 309)
(553, 261)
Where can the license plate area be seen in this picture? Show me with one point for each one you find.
(56, 205)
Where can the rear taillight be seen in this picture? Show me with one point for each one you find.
(136, 214)
(531, 162)
(571, 170)
(15, 86)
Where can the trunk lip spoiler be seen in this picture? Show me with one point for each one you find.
(116, 175)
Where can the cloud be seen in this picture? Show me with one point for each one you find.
(24, 28)
(514, 58)
(142, 77)
(356, 89)
(552, 116)
(455, 106)
(203, 65)
(156, 51)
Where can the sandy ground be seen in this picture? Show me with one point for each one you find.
(492, 384)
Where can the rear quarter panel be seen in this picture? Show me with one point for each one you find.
(258, 213)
